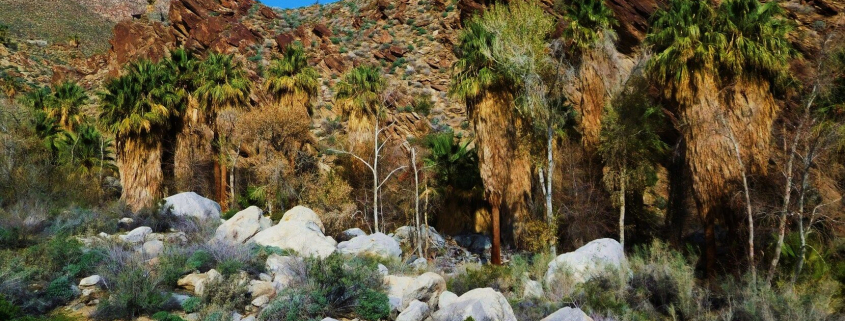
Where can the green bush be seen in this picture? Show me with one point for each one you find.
(171, 266)
(192, 305)
(229, 267)
(8, 311)
(60, 290)
(336, 286)
(200, 260)
(165, 316)
(373, 306)
(132, 292)
(227, 293)
(86, 264)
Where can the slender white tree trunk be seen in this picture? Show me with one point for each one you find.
(417, 202)
(375, 176)
(622, 191)
(748, 209)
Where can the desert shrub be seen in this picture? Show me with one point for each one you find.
(373, 305)
(815, 300)
(171, 266)
(229, 267)
(60, 290)
(132, 292)
(192, 305)
(664, 279)
(8, 311)
(165, 316)
(11, 237)
(85, 264)
(479, 276)
(229, 293)
(423, 104)
(336, 286)
(200, 261)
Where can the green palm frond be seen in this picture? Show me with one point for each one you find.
(142, 101)
(741, 38)
(587, 22)
(292, 74)
(359, 91)
(222, 83)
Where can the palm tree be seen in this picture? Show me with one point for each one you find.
(291, 81)
(587, 27)
(138, 109)
(490, 75)
(359, 98)
(67, 100)
(221, 84)
(49, 131)
(88, 151)
(721, 64)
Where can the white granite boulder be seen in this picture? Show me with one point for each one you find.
(243, 226)
(416, 311)
(587, 261)
(193, 205)
(300, 232)
(136, 236)
(377, 244)
(302, 214)
(481, 304)
(568, 314)
(402, 290)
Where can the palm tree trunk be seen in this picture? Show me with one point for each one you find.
(496, 251)
(140, 172)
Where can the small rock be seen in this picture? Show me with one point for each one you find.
(568, 314)
(382, 270)
(446, 298)
(193, 205)
(416, 311)
(480, 304)
(533, 289)
(90, 281)
(261, 288)
(261, 301)
(242, 226)
(419, 263)
(588, 260)
(153, 248)
(137, 235)
(350, 234)
(377, 244)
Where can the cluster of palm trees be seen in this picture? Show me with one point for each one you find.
(700, 50)
(71, 137)
(149, 104)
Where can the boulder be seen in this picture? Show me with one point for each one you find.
(406, 235)
(261, 301)
(446, 298)
(480, 304)
(284, 270)
(350, 234)
(243, 226)
(416, 311)
(532, 289)
(402, 290)
(377, 244)
(475, 243)
(192, 204)
(306, 238)
(90, 281)
(261, 288)
(303, 214)
(585, 262)
(196, 281)
(568, 314)
(152, 248)
(137, 235)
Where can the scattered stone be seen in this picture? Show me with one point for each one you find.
(152, 248)
(261, 301)
(306, 238)
(532, 289)
(419, 263)
(446, 298)
(568, 314)
(416, 311)
(196, 281)
(402, 290)
(284, 269)
(350, 234)
(302, 214)
(377, 244)
(261, 288)
(243, 226)
(137, 235)
(585, 262)
(193, 205)
(475, 243)
(480, 304)
(90, 281)
(406, 235)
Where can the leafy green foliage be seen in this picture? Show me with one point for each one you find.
(505, 48)
(4, 34)
(455, 164)
(226, 292)
(740, 38)
(60, 289)
(8, 311)
(133, 292)
(142, 102)
(200, 260)
(373, 305)
(221, 83)
(587, 22)
(358, 93)
(192, 305)
(292, 74)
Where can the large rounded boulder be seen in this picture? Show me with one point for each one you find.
(377, 244)
(585, 262)
(193, 205)
(305, 236)
(243, 226)
(481, 304)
